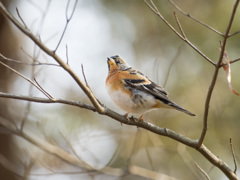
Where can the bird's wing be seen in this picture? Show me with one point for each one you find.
(139, 81)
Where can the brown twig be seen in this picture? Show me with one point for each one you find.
(195, 19)
(214, 79)
(45, 92)
(52, 54)
(135, 122)
(171, 64)
(237, 32)
(47, 101)
(68, 19)
(234, 156)
(179, 25)
(202, 171)
(153, 7)
(21, 19)
(37, 63)
(67, 54)
(24, 77)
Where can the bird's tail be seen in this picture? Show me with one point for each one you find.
(177, 107)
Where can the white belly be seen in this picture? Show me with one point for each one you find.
(140, 103)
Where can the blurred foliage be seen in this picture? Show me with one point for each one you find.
(154, 46)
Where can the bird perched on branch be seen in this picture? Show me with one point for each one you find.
(133, 92)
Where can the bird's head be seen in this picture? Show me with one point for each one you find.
(116, 62)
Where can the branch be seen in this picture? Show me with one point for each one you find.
(135, 122)
(37, 63)
(202, 171)
(233, 61)
(191, 17)
(234, 157)
(29, 80)
(48, 101)
(52, 54)
(153, 7)
(214, 79)
(68, 19)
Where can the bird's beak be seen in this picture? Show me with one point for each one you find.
(109, 61)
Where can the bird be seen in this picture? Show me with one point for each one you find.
(133, 92)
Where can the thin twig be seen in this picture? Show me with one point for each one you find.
(216, 161)
(84, 76)
(24, 77)
(214, 79)
(74, 152)
(179, 25)
(67, 54)
(155, 10)
(27, 169)
(191, 17)
(202, 171)
(68, 19)
(52, 54)
(230, 62)
(47, 101)
(35, 60)
(230, 35)
(45, 92)
(37, 63)
(233, 61)
(171, 64)
(21, 18)
(234, 156)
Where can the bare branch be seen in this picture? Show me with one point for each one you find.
(48, 101)
(52, 54)
(171, 64)
(230, 35)
(236, 60)
(21, 18)
(135, 122)
(84, 77)
(148, 174)
(27, 169)
(179, 25)
(193, 18)
(74, 152)
(234, 157)
(67, 54)
(29, 80)
(37, 63)
(68, 19)
(202, 171)
(214, 79)
(155, 10)
(10, 166)
(45, 92)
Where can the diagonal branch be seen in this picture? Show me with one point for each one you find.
(153, 7)
(29, 80)
(195, 19)
(52, 54)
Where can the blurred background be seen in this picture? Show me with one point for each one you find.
(97, 30)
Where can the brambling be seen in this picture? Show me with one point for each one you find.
(133, 92)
